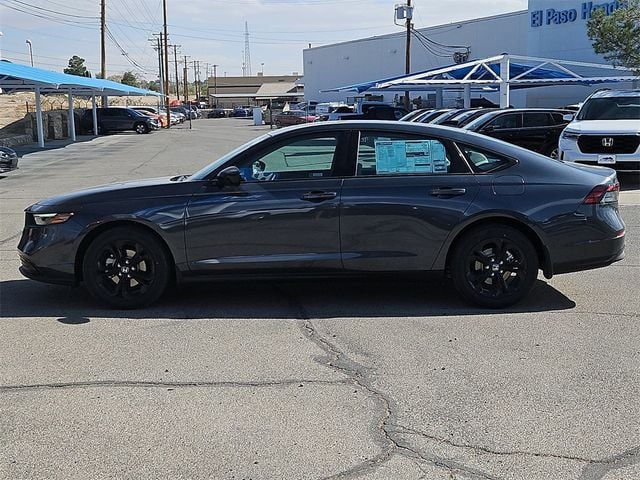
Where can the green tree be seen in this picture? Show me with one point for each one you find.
(617, 36)
(76, 67)
(129, 78)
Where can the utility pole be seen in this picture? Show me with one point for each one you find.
(196, 78)
(215, 82)
(186, 81)
(166, 62)
(103, 50)
(160, 68)
(175, 61)
(407, 68)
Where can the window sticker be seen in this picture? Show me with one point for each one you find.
(410, 156)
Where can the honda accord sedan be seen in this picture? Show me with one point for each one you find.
(358, 198)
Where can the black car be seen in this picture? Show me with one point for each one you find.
(534, 129)
(377, 112)
(216, 113)
(430, 115)
(460, 119)
(8, 159)
(336, 198)
(118, 119)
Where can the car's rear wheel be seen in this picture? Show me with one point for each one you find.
(141, 128)
(494, 266)
(126, 267)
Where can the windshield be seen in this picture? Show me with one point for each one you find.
(204, 173)
(613, 108)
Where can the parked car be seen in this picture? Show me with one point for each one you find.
(8, 159)
(536, 129)
(159, 120)
(466, 116)
(292, 117)
(430, 115)
(377, 112)
(338, 198)
(155, 113)
(606, 131)
(180, 112)
(239, 112)
(413, 114)
(217, 113)
(118, 119)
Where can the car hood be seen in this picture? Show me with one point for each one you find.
(122, 191)
(605, 127)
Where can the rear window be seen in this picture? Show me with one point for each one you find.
(484, 161)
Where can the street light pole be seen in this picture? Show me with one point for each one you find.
(28, 42)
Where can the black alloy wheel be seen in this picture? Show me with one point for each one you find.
(141, 127)
(126, 267)
(494, 266)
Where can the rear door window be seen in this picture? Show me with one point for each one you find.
(398, 154)
(483, 161)
(508, 120)
(536, 119)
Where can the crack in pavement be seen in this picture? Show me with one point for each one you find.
(407, 430)
(597, 471)
(340, 362)
(147, 384)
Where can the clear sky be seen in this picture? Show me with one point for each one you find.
(211, 31)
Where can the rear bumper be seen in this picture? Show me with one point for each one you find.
(590, 255)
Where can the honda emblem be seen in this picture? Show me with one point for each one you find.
(607, 142)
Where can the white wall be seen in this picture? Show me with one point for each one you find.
(384, 56)
(374, 58)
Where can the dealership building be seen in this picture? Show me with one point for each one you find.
(550, 29)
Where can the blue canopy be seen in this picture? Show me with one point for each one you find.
(486, 73)
(15, 77)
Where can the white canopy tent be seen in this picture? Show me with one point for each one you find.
(503, 72)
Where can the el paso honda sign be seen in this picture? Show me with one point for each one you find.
(552, 16)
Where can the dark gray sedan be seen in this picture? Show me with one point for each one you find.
(336, 198)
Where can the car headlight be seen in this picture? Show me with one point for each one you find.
(569, 135)
(51, 218)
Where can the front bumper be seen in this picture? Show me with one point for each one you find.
(47, 253)
(570, 152)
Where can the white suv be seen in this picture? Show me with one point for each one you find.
(605, 131)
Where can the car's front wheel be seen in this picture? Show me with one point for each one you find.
(141, 128)
(494, 266)
(126, 267)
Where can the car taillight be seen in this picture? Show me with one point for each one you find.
(603, 194)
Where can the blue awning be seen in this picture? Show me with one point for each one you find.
(15, 77)
(486, 74)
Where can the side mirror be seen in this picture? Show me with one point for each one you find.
(488, 129)
(229, 176)
(568, 117)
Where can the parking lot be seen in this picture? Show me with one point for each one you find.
(290, 380)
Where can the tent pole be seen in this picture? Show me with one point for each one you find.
(71, 121)
(94, 112)
(467, 95)
(504, 82)
(439, 101)
(39, 123)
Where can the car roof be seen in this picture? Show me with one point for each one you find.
(616, 93)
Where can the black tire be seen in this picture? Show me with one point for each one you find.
(141, 128)
(551, 151)
(126, 267)
(494, 266)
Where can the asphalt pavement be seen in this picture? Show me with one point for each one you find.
(307, 380)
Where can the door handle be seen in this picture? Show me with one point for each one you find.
(448, 192)
(318, 196)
